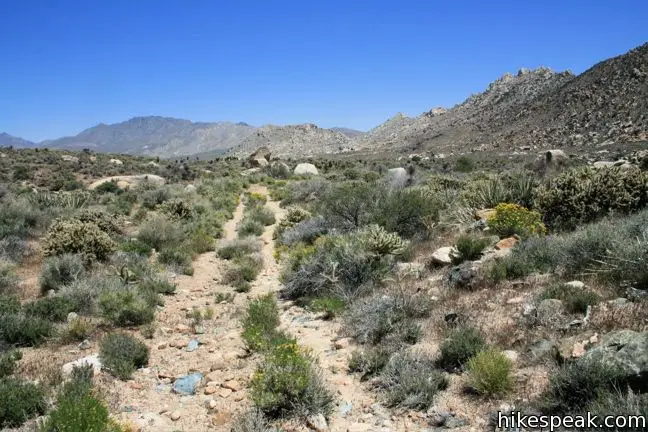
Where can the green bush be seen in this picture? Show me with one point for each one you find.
(159, 286)
(349, 205)
(250, 227)
(586, 194)
(513, 219)
(106, 222)
(8, 279)
(330, 306)
(287, 384)
(176, 209)
(407, 212)
(24, 330)
(490, 373)
(469, 248)
(136, 246)
(621, 403)
(461, 344)
(251, 421)
(9, 304)
(464, 164)
(19, 402)
(126, 307)
(260, 324)
(576, 300)
(122, 354)
(8, 362)
(154, 197)
(410, 380)
(177, 257)
(108, 187)
(61, 270)
(386, 319)
(371, 361)
(238, 248)
(242, 271)
(200, 242)
(74, 236)
(52, 308)
(575, 385)
(18, 217)
(294, 215)
(161, 233)
(262, 215)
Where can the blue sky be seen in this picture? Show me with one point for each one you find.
(67, 65)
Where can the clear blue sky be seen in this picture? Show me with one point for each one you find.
(67, 65)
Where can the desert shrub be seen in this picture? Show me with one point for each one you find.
(337, 267)
(622, 404)
(200, 242)
(586, 194)
(61, 270)
(13, 248)
(106, 222)
(108, 187)
(370, 361)
(379, 241)
(305, 191)
(486, 193)
(469, 248)
(464, 164)
(255, 199)
(176, 209)
(242, 271)
(287, 384)
(410, 380)
(330, 306)
(152, 198)
(386, 319)
(8, 362)
(24, 330)
(122, 354)
(19, 402)
(74, 236)
(78, 329)
(157, 285)
(177, 257)
(279, 170)
(18, 217)
(249, 227)
(160, 233)
(260, 324)
(490, 373)
(576, 300)
(575, 385)
(9, 304)
(306, 231)
(82, 413)
(8, 279)
(136, 246)
(513, 219)
(294, 215)
(349, 205)
(407, 212)
(461, 344)
(238, 248)
(251, 421)
(262, 215)
(52, 308)
(126, 307)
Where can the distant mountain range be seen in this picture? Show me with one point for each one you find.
(532, 109)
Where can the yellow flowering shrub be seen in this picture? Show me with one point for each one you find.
(510, 219)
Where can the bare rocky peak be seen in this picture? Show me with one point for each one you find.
(294, 140)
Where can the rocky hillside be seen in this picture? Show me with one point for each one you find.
(7, 140)
(302, 140)
(156, 136)
(538, 108)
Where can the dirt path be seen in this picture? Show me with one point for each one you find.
(149, 402)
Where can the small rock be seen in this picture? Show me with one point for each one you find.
(92, 360)
(224, 393)
(212, 404)
(162, 346)
(515, 300)
(485, 214)
(136, 386)
(543, 349)
(346, 409)
(84, 345)
(576, 284)
(192, 345)
(232, 385)
(506, 243)
(187, 384)
(359, 427)
(317, 422)
(72, 316)
(442, 256)
(182, 328)
(511, 355)
(175, 415)
(619, 302)
(218, 364)
(210, 390)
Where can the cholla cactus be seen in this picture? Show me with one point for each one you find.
(377, 240)
(176, 209)
(74, 236)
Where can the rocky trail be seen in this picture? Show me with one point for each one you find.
(212, 353)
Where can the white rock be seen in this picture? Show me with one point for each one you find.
(443, 256)
(305, 169)
(116, 162)
(575, 284)
(92, 360)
